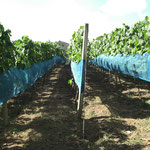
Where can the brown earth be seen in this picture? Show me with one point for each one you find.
(115, 116)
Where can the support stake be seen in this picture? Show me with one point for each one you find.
(116, 80)
(5, 114)
(84, 58)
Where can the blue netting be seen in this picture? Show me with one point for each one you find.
(16, 81)
(137, 65)
(78, 73)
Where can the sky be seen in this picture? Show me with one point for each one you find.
(54, 20)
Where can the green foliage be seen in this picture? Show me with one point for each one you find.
(29, 52)
(24, 52)
(7, 58)
(70, 81)
(125, 41)
(74, 50)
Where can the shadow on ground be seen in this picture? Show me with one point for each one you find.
(110, 131)
(44, 117)
(109, 134)
(122, 100)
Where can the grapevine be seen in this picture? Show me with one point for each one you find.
(23, 53)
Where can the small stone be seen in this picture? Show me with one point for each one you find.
(128, 132)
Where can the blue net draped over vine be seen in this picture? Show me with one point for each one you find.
(16, 80)
(136, 65)
(79, 74)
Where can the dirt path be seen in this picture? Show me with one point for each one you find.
(44, 116)
(116, 117)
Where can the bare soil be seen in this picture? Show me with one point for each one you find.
(115, 116)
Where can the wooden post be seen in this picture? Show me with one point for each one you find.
(116, 81)
(119, 78)
(139, 88)
(5, 114)
(84, 58)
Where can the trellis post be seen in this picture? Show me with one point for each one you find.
(5, 114)
(84, 59)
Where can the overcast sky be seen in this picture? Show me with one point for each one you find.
(54, 20)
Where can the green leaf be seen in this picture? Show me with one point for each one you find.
(70, 81)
